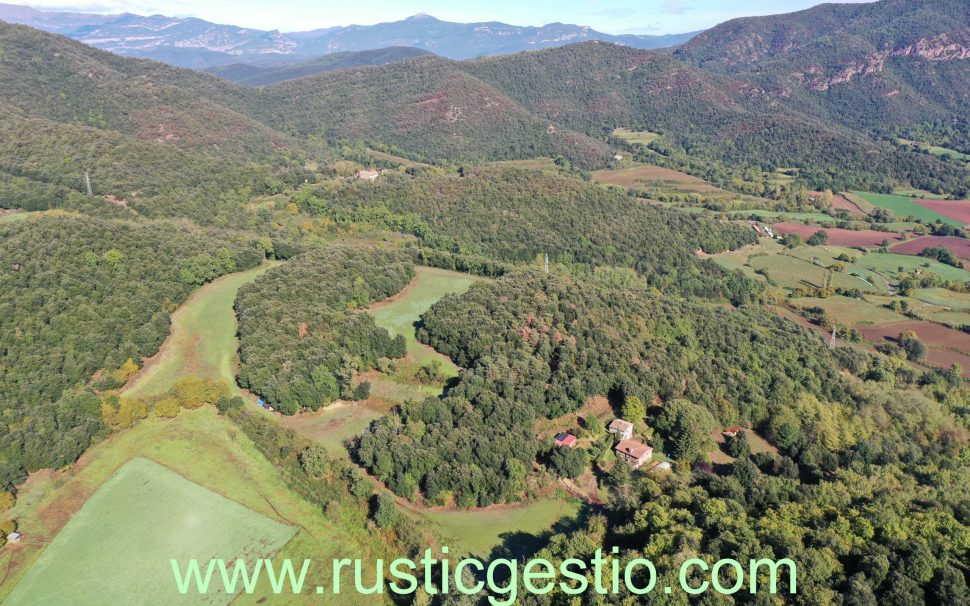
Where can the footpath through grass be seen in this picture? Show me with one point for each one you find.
(202, 342)
(116, 549)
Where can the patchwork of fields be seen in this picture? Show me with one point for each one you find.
(903, 206)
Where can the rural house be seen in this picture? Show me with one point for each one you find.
(369, 175)
(732, 431)
(622, 429)
(633, 452)
(565, 439)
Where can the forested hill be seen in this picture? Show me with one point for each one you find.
(595, 87)
(518, 215)
(427, 106)
(890, 66)
(266, 74)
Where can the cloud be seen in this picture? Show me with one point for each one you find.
(675, 7)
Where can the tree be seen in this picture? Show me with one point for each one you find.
(949, 586)
(791, 240)
(737, 446)
(568, 462)
(690, 427)
(7, 500)
(634, 410)
(167, 408)
(818, 238)
(385, 512)
(911, 344)
(316, 461)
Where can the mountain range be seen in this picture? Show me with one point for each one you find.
(196, 43)
(747, 108)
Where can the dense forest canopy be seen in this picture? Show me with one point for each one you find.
(539, 346)
(301, 338)
(81, 295)
(518, 215)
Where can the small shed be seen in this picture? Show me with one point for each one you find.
(663, 466)
(14, 537)
(368, 175)
(565, 439)
(622, 429)
(732, 431)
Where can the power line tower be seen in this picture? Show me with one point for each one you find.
(832, 340)
(545, 265)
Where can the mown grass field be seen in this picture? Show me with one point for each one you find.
(202, 342)
(854, 312)
(478, 532)
(636, 137)
(890, 264)
(944, 298)
(204, 448)
(12, 217)
(400, 313)
(116, 549)
(903, 207)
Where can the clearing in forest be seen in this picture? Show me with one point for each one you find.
(202, 342)
(117, 548)
(400, 314)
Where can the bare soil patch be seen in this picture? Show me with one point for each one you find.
(958, 210)
(958, 246)
(839, 237)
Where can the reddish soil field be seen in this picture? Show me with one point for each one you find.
(946, 345)
(843, 203)
(958, 210)
(958, 246)
(839, 237)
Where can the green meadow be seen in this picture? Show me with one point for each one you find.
(400, 314)
(202, 342)
(117, 548)
(903, 207)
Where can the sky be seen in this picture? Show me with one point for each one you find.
(609, 16)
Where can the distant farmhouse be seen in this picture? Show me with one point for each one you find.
(368, 175)
(633, 452)
(622, 429)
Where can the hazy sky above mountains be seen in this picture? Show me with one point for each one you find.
(610, 16)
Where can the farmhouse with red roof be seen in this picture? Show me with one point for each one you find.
(633, 452)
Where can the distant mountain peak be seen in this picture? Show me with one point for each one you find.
(196, 43)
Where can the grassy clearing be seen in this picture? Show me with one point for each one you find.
(202, 342)
(12, 217)
(903, 207)
(117, 547)
(206, 449)
(944, 298)
(334, 425)
(635, 137)
(936, 150)
(890, 264)
(400, 314)
(478, 532)
(855, 312)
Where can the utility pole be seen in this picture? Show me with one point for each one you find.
(832, 341)
(87, 181)
(546, 265)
